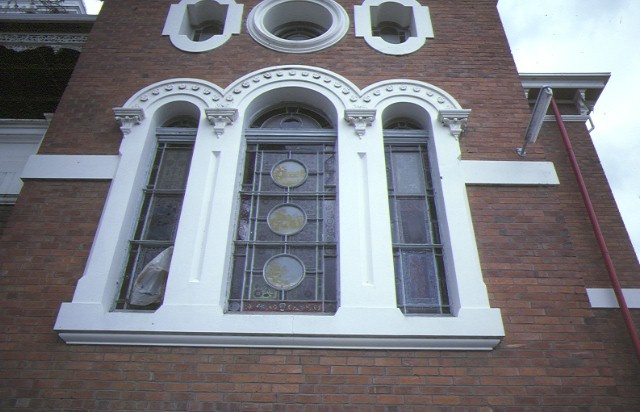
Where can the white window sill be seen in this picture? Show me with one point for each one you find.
(349, 328)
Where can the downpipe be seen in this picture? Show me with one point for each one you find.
(613, 276)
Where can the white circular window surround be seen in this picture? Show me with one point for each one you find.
(270, 18)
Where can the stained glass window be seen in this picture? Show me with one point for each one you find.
(285, 256)
(158, 221)
(417, 248)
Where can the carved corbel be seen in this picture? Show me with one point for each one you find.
(127, 118)
(580, 101)
(360, 119)
(456, 120)
(221, 118)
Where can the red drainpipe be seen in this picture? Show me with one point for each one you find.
(615, 282)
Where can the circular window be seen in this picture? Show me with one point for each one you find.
(289, 173)
(287, 219)
(298, 26)
(283, 272)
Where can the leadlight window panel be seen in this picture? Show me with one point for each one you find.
(285, 257)
(417, 248)
(160, 211)
(291, 116)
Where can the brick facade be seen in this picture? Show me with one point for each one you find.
(537, 250)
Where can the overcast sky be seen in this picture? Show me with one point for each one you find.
(590, 36)
(552, 36)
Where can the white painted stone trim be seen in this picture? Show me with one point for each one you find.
(606, 298)
(193, 308)
(70, 167)
(288, 10)
(421, 24)
(486, 172)
(178, 21)
(19, 139)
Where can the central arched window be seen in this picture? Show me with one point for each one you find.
(285, 249)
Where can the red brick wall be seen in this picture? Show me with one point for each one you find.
(5, 212)
(537, 250)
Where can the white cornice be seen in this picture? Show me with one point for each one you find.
(565, 80)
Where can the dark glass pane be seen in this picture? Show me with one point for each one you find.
(413, 217)
(330, 276)
(174, 168)
(310, 185)
(164, 214)
(419, 279)
(306, 290)
(308, 233)
(271, 158)
(262, 254)
(266, 204)
(260, 290)
(265, 234)
(408, 173)
(308, 204)
(306, 254)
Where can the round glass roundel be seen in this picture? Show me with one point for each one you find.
(283, 272)
(289, 173)
(286, 219)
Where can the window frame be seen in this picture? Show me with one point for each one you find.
(165, 136)
(302, 137)
(365, 19)
(399, 141)
(193, 308)
(180, 30)
(260, 24)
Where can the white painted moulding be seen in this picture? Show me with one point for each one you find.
(70, 167)
(606, 298)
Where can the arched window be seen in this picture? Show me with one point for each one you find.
(417, 246)
(151, 246)
(258, 227)
(285, 249)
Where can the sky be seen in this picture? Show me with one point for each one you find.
(556, 36)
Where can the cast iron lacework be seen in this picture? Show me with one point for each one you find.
(285, 257)
(417, 249)
(152, 244)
